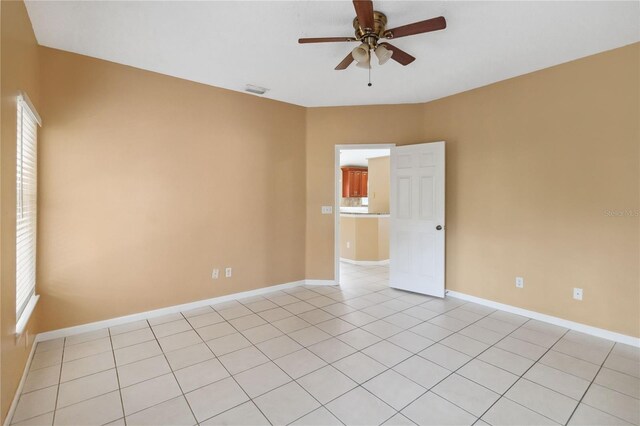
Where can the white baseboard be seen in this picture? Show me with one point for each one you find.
(93, 326)
(583, 328)
(365, 262)
(319, 282)
(16, 396)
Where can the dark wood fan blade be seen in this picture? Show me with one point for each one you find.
(429, 25)
(325, 39)
(398, 55)
(345, 62)
(364, 12)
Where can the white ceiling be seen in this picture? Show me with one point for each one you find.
(233, 43)
(359, 157)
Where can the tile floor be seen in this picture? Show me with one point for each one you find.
(361, 354)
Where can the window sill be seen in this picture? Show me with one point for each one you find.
(22, 322)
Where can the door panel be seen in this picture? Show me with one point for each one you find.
(404, 197)
(404, 161)
(417, 210)
(403, 261)
(427, 199)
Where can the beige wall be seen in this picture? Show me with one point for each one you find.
(149, 181)
(379, 180)
(383, 238)
(348, 237)
(368, 238)
(533, 164)
(19, 71)
(327, 127)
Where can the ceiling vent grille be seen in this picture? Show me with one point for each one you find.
(256, 90)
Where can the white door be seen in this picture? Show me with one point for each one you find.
(417, 218)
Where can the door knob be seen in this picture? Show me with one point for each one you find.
(439, 227)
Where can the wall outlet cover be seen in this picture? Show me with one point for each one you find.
(519, 282)
(577, 293)
(215, 274)
(227, 272)
(327, 209)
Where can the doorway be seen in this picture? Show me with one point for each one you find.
(416, 218)
(362, 209)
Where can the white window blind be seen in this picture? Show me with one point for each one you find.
(26, 203)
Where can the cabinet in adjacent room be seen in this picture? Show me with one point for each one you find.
(355, 182)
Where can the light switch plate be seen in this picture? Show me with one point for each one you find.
(327, 209)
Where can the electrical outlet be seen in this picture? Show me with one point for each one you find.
(327, 209)
(348, 244)
(519, 282)
(577, 293)
(227, 272)
(215, 274)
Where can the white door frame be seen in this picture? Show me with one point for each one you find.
(337, 176)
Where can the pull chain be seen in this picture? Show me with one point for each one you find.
(369, 74)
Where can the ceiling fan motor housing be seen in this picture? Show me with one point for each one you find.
(371, 35)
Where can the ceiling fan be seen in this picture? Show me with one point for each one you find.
(371, 26)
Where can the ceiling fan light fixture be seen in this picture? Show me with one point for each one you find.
(383, 54)
(361, 54)
(365, 64)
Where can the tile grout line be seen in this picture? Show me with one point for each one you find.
(172, 372)
(385, 339)
(488, 314)
(589, 387)
(382, 318)
(151, 327)
(303, 347)
(451, 372)
(55, 406)
(388, 368)
(503, 395)
(115, 367)
(376, 319)
(533, 364)
(192, 328)
(273, 362)
(231, 375)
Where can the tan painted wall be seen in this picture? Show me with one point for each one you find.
(348, 235)
(383, 238)
(19, 71)
(149, 181)
(379, 180)
(533, 165)
(327, 127)
(368, 238)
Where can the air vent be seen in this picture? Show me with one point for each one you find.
(257, 90)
